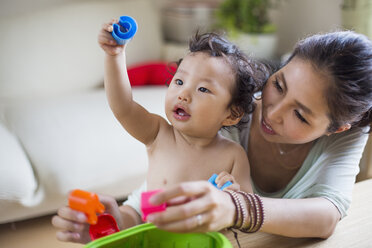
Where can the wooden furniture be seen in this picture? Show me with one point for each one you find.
(355, 230)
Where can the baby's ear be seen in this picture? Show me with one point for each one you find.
(236, 114)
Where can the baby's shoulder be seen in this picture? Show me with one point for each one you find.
(230, 145)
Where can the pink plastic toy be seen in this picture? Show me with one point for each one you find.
(148, 208)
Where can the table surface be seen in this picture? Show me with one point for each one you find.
(355, 230)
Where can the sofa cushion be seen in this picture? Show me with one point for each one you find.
(53, 49)
(76, 142)
(17, 179)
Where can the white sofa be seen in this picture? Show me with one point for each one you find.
(57, 132)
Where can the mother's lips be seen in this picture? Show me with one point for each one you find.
(267, 128)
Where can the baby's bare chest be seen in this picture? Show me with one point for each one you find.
(173, 165)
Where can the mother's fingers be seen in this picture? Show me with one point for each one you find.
(181, 212)
(179, 200)
(195, 223)
(188, 189)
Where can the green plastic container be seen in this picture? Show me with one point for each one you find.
(148, 236)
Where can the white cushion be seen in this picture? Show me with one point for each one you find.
(53, 49)
(75, 142)
(17, 179)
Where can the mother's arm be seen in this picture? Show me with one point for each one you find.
(313, 217)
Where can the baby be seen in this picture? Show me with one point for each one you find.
(212, 88)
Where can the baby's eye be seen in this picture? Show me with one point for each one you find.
(205, 90)
(179, 82)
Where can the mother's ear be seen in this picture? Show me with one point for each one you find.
(341, 129)
(236, 114)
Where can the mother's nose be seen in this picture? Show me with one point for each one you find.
(275, 113)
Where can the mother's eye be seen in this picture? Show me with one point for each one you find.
(277, 86)
(300, 117)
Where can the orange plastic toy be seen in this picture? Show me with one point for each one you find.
(86, 202)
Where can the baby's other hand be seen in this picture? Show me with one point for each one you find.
(223, 178)
(107, 42)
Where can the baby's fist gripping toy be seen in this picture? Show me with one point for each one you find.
(125, 30)
(212, 180)
(88, 203)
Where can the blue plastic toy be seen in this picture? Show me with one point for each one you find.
(125, 30)
(212, 180)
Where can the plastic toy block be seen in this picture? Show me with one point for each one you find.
(146, 207)
(125, 30)
(106, 225)
(227, 184)
(212, 180)
(86, 202)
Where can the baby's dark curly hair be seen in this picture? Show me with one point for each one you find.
(250, 75)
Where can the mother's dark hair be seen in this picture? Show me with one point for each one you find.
(346, 58)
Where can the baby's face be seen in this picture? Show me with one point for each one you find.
(198, 97)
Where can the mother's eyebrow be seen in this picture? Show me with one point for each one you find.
(306, 109)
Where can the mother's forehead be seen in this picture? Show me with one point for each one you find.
(308, 85)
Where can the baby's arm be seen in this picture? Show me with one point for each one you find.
(130, 216)
(141, 124)
(73, 227)
(239, 174)
(241, 169)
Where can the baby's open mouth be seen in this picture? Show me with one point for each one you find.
(181, 112)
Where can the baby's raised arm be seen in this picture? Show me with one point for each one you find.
(141, 124)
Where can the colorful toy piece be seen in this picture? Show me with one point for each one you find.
(86, 202)
(212, 180)
(106, 225)
(125, 30)
(148, 236)
(146, 207)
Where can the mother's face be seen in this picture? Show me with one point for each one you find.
(294, 106)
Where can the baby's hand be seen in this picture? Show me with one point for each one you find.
(224, 177)
(107, 42)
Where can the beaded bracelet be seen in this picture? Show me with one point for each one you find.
(262, 212)
(236, 208)
(256, 212)
(250, 210)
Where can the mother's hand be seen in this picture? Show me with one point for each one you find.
(193, 207)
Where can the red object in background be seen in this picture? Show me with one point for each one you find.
(86, 202)
(151, 73)
(106, 225)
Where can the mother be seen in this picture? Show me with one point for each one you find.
(304, 142)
